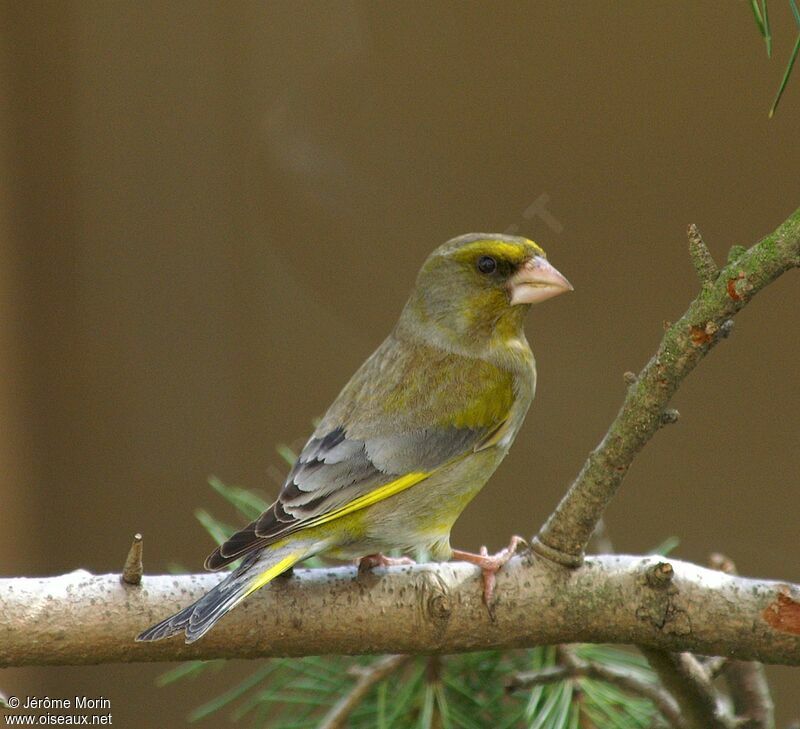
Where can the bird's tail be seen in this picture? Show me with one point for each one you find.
(256, 571)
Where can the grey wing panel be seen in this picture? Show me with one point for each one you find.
(424, 449)
(329, 472)
(327, 465)
(333, 471)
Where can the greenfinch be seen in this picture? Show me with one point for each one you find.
(411, 438)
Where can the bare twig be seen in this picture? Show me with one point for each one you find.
(564, 536)
(714, 665)
(702, 260)
(687, 681)
(134, 569)
(750, 692)
(337, 717)
(628, 681)
(539, 677)
(426, 608)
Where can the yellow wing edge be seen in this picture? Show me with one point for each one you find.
(373, 497)
(379, 494)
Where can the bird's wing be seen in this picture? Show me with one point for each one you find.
(406, 413)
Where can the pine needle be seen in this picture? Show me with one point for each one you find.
(786, 74)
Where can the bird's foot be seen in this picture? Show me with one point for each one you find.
(370, 561)
(490, 564)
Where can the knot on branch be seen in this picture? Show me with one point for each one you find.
(702, 334)
(439, 606)
(709, 333)
(659, 607)
(670, 416)
(435, 604)
(659, 575)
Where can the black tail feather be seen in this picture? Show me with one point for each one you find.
(199, 617)
(256, 569)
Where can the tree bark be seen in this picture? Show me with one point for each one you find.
(80, 618)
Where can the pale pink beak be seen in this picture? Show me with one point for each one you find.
(536, 281)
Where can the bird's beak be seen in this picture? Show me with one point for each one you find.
(536, 281)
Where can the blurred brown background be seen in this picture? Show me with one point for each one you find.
(211, 213)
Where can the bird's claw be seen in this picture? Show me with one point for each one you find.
(490, 564)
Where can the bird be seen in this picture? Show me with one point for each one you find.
(413, 436)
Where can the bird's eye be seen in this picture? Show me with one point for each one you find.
(487, 264)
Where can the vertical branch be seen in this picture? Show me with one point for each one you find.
(564, 536)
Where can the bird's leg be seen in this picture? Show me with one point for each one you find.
(490, 564)
(371, 561)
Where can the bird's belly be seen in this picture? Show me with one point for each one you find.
(422, 516)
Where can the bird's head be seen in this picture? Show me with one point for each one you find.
(476, 289)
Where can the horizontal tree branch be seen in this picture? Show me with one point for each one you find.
(564, 536)
(429, 608)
